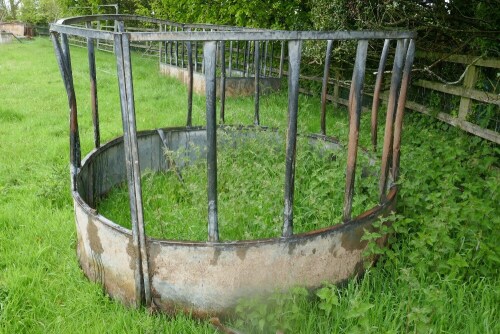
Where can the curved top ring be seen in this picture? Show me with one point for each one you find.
(218, 32)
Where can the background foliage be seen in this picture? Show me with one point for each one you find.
(458, 26)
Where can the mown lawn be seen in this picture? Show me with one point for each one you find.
(440, 276)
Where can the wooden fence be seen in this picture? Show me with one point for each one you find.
(465, 90)
(467, 93)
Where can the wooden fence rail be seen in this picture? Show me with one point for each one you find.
(466, 92)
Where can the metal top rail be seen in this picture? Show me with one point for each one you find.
(219, 33)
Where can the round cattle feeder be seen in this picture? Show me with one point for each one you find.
(208, 278)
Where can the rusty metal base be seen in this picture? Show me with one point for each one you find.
(201, 277)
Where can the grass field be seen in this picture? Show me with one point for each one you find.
(250, 190)
(440, 276)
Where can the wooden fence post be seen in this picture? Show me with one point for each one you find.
(336, 89)
(469, 82)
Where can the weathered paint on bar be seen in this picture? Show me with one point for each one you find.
(324, 88)
(189, 121)
(223, 81)
(389, 118)
(294, 55)
(376, 92)
(130, 178)
(355, 104)
(63, 59)
(256, 59)
(93, 89)
(398, 122)
(209, 56)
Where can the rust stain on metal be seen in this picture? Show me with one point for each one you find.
(241, 252)
(120, 287)
(332, 248)
(131, 251)
(359, 269)
(351, 240)
(154, 250)
(93, 236)
(215, 259)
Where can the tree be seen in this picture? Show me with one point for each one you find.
(471, 26)
(277, 14)
(41, 11)
(9, 9)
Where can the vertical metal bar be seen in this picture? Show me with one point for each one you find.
(209, 56)
(230, 58)
(124, 69)
(176, 51)
(272, 59)
(75, 150)
(264, 60)
(74, 137)
(165, 46)
(160, 46)
(237, 55)
(389, 120)
(294, 51)
(189, 121)
(169, 46)
(136, 166)
(67, 57)
(282, 59)
(93, 89)
(222, 81)
(246, 59)
(128, 163)
(324, 89)
(355, 104)
(120, 26)
(98, 28)
(170, 49)
(249, 59)
(376, 92)
(256, 119)
(196, 56)
(203, 58)
(398, 123)
(183, 52)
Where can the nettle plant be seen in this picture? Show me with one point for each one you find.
(250, 187)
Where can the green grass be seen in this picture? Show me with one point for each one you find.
(441, 274)
(250, 190)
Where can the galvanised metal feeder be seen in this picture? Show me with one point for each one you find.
(209, 277)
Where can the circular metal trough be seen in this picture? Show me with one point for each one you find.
(207, 278)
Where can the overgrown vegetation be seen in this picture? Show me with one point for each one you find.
(250, 190)
(452, 26)
(440, 275)
(442, 267)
